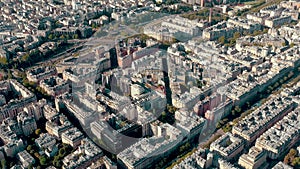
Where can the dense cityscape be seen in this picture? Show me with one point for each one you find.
(134, 84)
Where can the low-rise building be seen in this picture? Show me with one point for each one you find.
(84, 115)
(256, 158)
(111, 138)
(27, 123)
(274, 22)
(49, 112)
(246, 24)
(54, 86)
(281, 165)
(15, 105)
(136, 90)
(188, 99)
(12, 143)
(255, 124)
(72, 137)
(103, 162)
(57, 125)
(189, 123)
(223, 164)
(36, 109)
(76, 75)
(40, 73)
(277, 140)
(86, 153)
(144, 119)
(221, 29)
(199, 159)
(51, 151)
(227, 146)
(44, 141)
(147, 151)
(25, 158)
(173, 28)
(258, 17)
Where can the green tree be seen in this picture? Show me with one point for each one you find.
(296, 162)
(256, 32)
(219, 125)
(293, 152)
(246, 33)
(51, 37)
(181, 149)
(199, 84)
(3, 61)
(221, 40)
(57, 24)
(290, 157)
(57, 163)
(227, 128)
(163, 115)
(9, 74)
(11, 164)
(75, 36)
(3, 163)
(232, 42)
(1, 77)
(248, 104)
(38, 132)
(292, 45)
(62, 37)
(94, 26)
(187, 145)
(283, 44)
(25, 57)
(67, 37)
(236, 35)
(62, 152)
(114, 157)
(233, 113)
(30, 166)
(43, 160)
(29, 148)
(37, 155)
(286, 159)
(237, 109)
